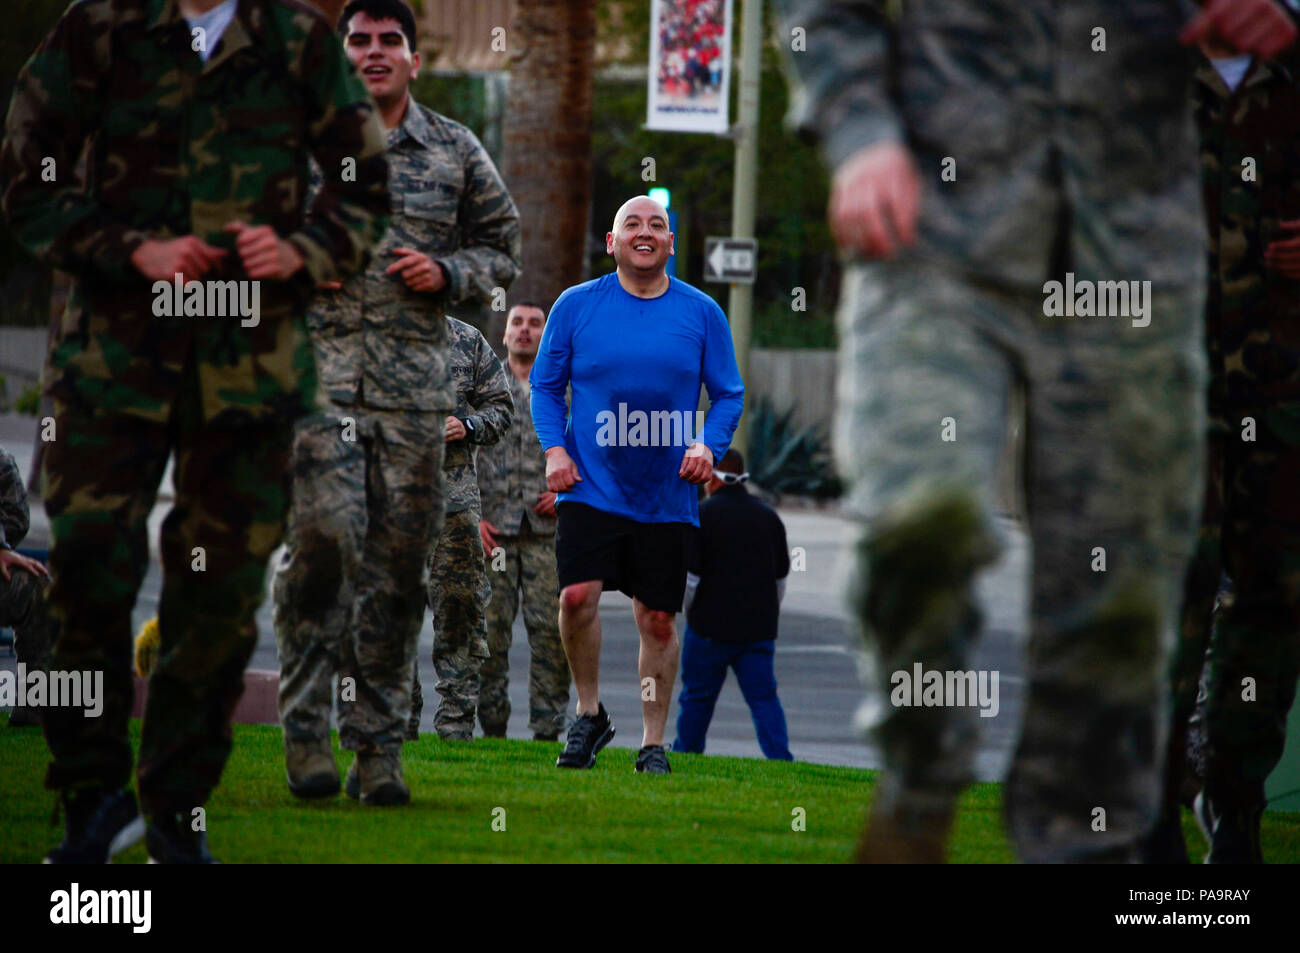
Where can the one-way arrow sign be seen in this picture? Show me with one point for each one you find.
(730, 260)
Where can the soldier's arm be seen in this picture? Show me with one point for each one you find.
(15, 516)
(549, 380)
(489, 469)
(489, 256)
(349, 211)
(52, 114)
(494, 408)
(841, 53)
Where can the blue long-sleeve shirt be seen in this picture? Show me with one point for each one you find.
(635, 366)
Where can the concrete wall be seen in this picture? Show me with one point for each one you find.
(804, 379)
(22, 354)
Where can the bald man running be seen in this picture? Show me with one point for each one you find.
(635, 346)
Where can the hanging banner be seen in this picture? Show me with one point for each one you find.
(690, 65)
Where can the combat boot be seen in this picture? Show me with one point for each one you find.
(1232, 829)
(352, 783)
(310, 768)
(172, 839)
(99, 824)
(380, 775)
(1164, 843)
(912, 830)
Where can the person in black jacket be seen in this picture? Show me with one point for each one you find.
(737, 569)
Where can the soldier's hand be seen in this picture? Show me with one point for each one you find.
(561, 471)
(1283, 256)
(875, 198)
(485, 531)
(9, 558)
(453, 429)
(697, 464)
(264, 253)
(329, 286)
(163, 260)
(419, 271)
(1250, 26)
(545, 505)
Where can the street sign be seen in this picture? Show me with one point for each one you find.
(730, 260)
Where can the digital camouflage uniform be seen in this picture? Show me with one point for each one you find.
(178, 147)
(1066, 160)
(365, 511)
(22, 596)
(1251, 523)
(458, 585)
(511, 476)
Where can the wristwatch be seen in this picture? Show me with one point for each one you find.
(469, 428)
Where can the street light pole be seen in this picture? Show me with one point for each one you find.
(740, 301)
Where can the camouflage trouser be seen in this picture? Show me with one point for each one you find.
(348, 597)
(24, 608)
(458, 598)
(527, 566)
(101, 477)
(1114, 417)
(1250, 529)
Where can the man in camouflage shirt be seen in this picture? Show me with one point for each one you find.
(367, 497)
(989, 154)
(200, 119)
(23, 585)
(519, 518)
(458, 584)
(1248, 111)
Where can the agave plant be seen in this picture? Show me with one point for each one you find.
(783, 459)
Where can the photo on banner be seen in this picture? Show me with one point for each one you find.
(690, 59)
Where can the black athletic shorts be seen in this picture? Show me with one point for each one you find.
(645, 560)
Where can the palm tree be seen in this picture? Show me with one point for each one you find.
(331, 8)
(547, 140)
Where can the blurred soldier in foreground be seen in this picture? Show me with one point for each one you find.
(23, 586)
(1248, 110)
(458, 583)
(519, 518)
(201, 116)
(996, 154)
(367, 475)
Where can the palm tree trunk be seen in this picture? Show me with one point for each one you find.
(331, 9)
(547, 141)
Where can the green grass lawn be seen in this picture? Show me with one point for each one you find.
(711, 809)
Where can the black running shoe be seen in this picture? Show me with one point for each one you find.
(98, 825)
(587, 735)
(653, 759)
(171, 839)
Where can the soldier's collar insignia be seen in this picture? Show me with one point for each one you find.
(415, 125)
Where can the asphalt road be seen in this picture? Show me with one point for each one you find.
(815, 662)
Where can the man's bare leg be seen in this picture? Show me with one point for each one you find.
(580, 633)
(657, 661)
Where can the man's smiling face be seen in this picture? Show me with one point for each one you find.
(384, 60)
(640, 242)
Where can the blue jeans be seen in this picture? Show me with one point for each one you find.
(704, 669)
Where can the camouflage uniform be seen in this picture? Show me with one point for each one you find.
(1066, 160)
(22, 596)
(364, 511)
(458, 586)
(511, 475)
(1251, 521)
(178, 146)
